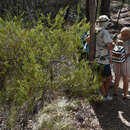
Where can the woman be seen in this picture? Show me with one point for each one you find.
(123, 69)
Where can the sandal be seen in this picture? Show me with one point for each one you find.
(126, 98)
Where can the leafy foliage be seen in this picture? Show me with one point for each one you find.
(35, 60)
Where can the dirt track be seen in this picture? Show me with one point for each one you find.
(115, 114)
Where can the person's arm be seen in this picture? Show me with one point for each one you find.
(110, 46)
(108, 41)
(127, 50)
(88, 39)
(127, 55)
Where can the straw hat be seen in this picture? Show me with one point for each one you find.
(124, 34)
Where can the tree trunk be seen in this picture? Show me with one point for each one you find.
(87, 10)
(92, 13)
(105, 7)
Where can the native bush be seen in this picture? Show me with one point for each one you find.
(45, 57)
(34, 61)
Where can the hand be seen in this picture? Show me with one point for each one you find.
(88, 39)
(127, 55)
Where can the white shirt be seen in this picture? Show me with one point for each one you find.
(102, 53)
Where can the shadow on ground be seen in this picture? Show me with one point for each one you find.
(115, 114)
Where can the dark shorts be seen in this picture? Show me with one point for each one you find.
(104, 70)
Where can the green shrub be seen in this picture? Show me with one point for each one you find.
(42, 58)
(82, 81)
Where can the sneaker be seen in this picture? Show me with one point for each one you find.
(126, 98)
(107, 98)
(104, 99)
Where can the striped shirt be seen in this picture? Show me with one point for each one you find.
(118, 54)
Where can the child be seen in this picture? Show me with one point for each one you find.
(118, 57)
(85, 47)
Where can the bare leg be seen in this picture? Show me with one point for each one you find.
(103, 90)
(116, 84)
(117, 78)
(125, 85)
(107, 83)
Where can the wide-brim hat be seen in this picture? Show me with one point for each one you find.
(124, 34)
(103, 18)
(103, 21)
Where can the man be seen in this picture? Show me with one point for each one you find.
(103, 47)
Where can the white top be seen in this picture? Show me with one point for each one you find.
(102, 53)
